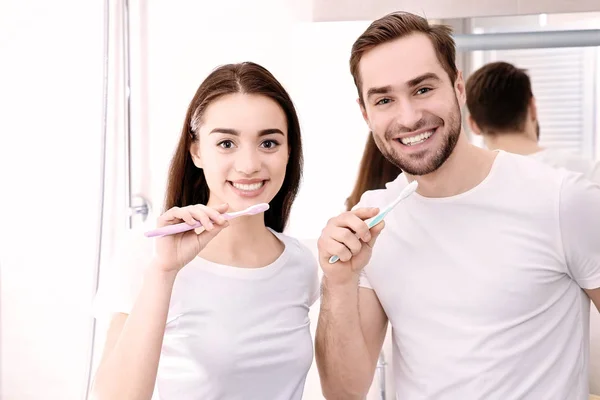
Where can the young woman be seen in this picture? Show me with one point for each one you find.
(222, 314)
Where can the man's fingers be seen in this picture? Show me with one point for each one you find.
(354, 220)
(334, 248)
(347, 238)
(365, 212)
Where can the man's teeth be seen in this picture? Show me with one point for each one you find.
(247, 187)
(410, 141)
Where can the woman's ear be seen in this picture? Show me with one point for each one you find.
(195, 153)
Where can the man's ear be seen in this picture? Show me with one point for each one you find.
(473, 125)
(459, 88)
(363, 111)
(195, 153)
(532, 109)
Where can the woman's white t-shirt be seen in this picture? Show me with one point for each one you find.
(231, 333)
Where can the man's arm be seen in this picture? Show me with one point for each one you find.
(350, 335)
(579, 217)
(352, 323)
(594, 295)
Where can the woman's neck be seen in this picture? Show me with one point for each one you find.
(246, 242)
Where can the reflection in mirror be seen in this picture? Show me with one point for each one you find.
(564, 79)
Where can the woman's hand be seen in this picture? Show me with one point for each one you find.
(173, 252)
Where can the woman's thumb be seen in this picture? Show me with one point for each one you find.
(222, 208)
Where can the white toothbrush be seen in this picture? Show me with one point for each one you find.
(184, 226)
(371, 222)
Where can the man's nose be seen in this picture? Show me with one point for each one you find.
(409, 114)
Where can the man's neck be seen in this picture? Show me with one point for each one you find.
(512, 142)
(467, 167)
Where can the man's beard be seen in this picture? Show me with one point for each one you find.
(417, 164)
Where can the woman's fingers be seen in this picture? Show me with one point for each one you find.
(207, 216)
(176, 215)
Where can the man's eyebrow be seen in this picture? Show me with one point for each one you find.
(378, 90)
(421, 78)
(411, 83)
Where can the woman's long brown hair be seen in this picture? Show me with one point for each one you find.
(374, 172)
(187, 184)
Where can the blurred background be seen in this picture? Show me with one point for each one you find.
(92, 101)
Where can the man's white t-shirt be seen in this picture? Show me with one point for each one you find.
(232, 333)
(484, 289)
(591, 169)
(563, 159)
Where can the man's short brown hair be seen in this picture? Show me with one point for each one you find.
(401, 24)
(498, 97)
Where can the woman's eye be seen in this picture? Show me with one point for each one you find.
(269, 144)
(226, 144)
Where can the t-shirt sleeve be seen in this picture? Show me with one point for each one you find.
(314, 276)
(595, 173)
(316, 286)
(579, 219)
(364, 281)
(311, 275)
(122, 275)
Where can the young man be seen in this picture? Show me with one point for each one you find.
(484, 273)
(502, 109)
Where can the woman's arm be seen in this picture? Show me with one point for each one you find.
(129, 362)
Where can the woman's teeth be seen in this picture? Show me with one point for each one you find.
(248, 187)
(420, 138)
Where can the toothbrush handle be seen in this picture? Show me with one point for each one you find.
(333, 259)
(172, 229)
(183, 227)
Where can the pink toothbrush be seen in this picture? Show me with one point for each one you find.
(184, 227)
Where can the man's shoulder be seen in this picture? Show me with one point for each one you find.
(526, 169)
(380, 197)
(569, 161)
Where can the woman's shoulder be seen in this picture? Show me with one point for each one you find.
(297, 248)
(303, 254)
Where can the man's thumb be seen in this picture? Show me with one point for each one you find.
(375, 231)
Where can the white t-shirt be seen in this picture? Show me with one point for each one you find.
(563, 159)
(591, 169)
(232, 333)
(483, 289)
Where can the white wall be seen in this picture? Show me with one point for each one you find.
(50, 106)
